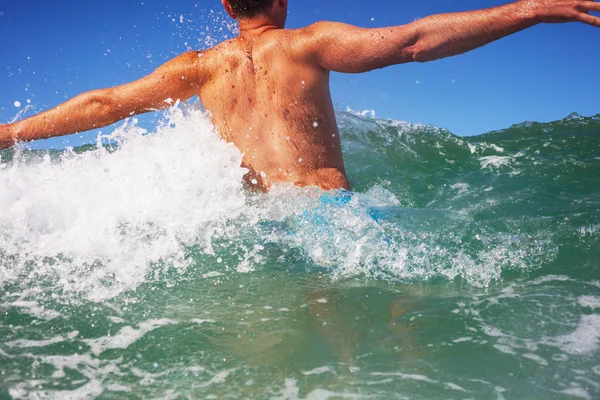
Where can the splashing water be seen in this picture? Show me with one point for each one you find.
(144, 265)
(99, 222)
(98, 219)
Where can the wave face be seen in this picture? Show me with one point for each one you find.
(142, 265)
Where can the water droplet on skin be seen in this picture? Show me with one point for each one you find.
(299, 160)
(315, 124)
(254, 182)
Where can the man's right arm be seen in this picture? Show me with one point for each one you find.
(180, 78)
(7, 137)
(345, 48)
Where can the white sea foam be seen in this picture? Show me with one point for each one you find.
(322, 394)
(584, 340)
(35, 343)
(550, 278)
(592, 302)
(454, 386)
(96, 221)
(125, 337)
(463, 339)
(577, 392)
(319, 371)
(103, 222)
(536, 358)
(589, 230)
(364, 113)
(32, 308)
(203, 321)
(220, 377)
(505, 349)
(495, 162)
(461, 187)
(94, 370)
(291, 391)
(401, 375)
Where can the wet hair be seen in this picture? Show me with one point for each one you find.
(250, 8)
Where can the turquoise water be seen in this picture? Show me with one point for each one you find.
(462, 268)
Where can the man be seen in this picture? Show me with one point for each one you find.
(268, 89)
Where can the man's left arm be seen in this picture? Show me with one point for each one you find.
(345, 48)
(180, 78)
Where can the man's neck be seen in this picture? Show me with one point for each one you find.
(251, 27)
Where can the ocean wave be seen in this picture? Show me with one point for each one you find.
(138, 206)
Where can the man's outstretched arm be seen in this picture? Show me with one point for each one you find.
(179, 78)
(346, 48)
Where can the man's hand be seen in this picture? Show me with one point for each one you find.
(558, 11)
(7, 138)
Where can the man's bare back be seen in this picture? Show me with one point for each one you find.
(275, 106)
(268, 89)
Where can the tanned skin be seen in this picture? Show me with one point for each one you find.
(268, 89)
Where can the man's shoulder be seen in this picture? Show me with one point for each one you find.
(314, 35)
(299, 40)
(212, 55)
(304, 33)
(320, 27)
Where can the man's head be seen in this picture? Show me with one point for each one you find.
(249, 9)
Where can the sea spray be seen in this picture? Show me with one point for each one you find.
(103, 221)
(96, 221)
(460, 267)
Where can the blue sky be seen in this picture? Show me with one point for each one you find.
(54, 50)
